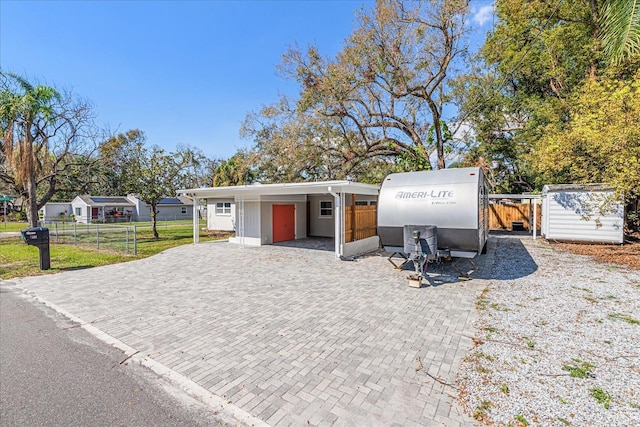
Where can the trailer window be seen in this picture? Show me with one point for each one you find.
(326, 209)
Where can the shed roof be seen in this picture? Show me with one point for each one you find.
(105, 201)
(180, 200)
(254, 190)
(576, 187)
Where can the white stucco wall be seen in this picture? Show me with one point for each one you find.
(220, 222)
(85, 211)
(54, 210)
(320, 227)
(266, 218)
(252, 224)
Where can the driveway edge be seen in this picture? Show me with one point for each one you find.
(216, 403)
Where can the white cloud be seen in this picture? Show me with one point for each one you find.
(483, 15)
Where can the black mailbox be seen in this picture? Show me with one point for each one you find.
(39, 236)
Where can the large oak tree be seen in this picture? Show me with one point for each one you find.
(377, 105)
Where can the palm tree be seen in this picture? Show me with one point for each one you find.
(620, 29)
(22, 106)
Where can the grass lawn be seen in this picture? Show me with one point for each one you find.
(13, 226)
(19, 260)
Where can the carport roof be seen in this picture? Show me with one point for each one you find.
(321, 187)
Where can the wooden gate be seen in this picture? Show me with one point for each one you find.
(360, 222)
(501, 217)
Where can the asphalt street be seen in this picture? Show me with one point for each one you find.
(53, 373)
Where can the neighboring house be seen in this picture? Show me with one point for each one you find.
(262, 214)
(169, 208)
(86, 209)
(56, 210)
(582, 213)
(89, 209)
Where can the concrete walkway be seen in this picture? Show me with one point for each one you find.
(287, 335)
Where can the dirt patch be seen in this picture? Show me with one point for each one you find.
(219, 234)
(627, 254)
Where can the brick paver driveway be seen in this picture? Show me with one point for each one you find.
(292, 336)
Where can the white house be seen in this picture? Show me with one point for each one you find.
(87, 208)
(582, 212)
(56, 210)
(262, 214)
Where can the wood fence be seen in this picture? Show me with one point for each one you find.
(360, 222)
(501, 217)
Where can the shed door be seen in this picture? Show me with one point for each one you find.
(284, 223)
(94, 213)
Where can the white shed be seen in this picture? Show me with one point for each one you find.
(582, 213)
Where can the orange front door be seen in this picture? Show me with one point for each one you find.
(284, 223)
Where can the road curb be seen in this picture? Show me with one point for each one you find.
(216, 403)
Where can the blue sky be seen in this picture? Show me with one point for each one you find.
(184, 72)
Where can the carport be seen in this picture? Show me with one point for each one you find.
(262, 214)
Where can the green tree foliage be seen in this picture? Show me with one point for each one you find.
(197, 170)
(237, 170)
(152, 176)
(83, 174)
(150, 173)
(119, 153)
(117, 156)
(620, 30)
(537, 63)
(46, 138)
(538, 53)
(600, 141)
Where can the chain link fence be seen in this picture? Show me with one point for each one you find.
(120, 238)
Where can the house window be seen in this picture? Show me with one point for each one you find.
(223, 208)
(361, 203)
(326, 209)
(78, 211)
(183, 210)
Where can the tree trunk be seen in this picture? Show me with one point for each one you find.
(439, 146)
(32, 202)
(29, 174)
(153, 220)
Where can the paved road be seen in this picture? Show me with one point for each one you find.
(9, 234)
(289, 336)
(53, 373)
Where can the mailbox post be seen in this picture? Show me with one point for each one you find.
(39, 236)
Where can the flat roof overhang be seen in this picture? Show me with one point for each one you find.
(257, 190)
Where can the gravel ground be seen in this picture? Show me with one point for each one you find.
(558, 341)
